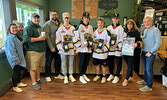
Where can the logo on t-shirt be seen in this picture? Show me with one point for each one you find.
(83, 31)
(62, 31)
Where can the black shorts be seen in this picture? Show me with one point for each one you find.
(100, 61)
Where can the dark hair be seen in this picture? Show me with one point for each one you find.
(9, 28)
(134, 28)
(52, 11)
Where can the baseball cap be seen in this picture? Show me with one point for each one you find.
(85, 14)
(35, 15)
(115, 15)
(66, 14)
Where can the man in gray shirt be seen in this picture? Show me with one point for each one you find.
(50, 28)
(151, 43)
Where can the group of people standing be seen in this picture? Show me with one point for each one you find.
(61, 41)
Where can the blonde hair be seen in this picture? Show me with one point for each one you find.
(19, 24)
(100, 19)
(134, 28)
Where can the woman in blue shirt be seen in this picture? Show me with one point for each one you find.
(15, 56)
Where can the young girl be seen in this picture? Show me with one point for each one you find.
(83, 49)
(117, 32)
(20, 35)
(15, 56)
(132, 31)
(100, 54)
(64, 41)
(20, 31)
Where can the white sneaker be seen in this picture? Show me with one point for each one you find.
(96, 78)
(142, 82)
(72, 78)
(65, 79)
(116, 79)
(81, 79)
(145, 89)
(48, 79)
(110, 77)
(21, 84)
(103, 80)
(59, 77)
(17, 89)
(86, 78)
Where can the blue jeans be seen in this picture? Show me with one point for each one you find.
(147, 63)
(57, 62)
(64, 64)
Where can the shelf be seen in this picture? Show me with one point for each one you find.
(106, 16)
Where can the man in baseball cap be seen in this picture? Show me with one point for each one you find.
(84, 51)
(35, 49)
(116, 29)
(35, 15)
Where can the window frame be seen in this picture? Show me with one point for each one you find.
(6, 17)
(34, 5)
(28, 6)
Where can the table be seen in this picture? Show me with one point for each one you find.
(163, 54)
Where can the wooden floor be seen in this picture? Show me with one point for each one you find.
(56, 90)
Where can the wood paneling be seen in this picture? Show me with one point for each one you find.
(90, 70)
(163, 46)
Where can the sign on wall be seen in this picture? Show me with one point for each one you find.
(91, 7)
(76, 9)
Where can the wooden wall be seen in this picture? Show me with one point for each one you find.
(92, 69)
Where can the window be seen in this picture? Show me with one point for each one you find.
(2, 26)
(24, 12)
(1, 33)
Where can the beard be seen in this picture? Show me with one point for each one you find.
(54, 19)
(148, 26)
